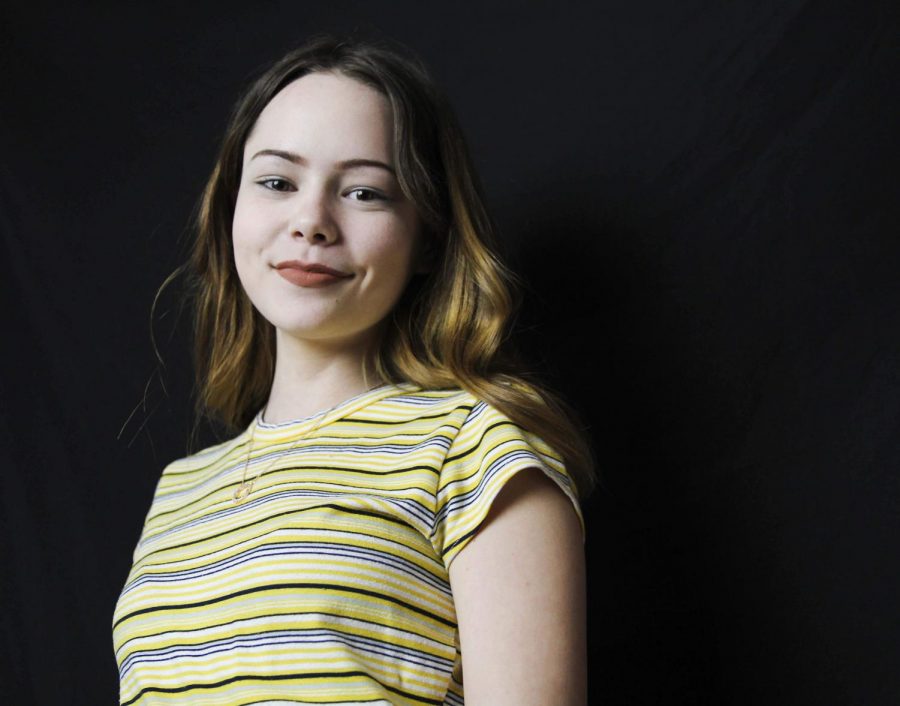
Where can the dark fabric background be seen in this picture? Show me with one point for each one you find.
(702, 197)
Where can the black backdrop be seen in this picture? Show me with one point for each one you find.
(700, 196)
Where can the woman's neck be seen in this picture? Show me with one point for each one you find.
(310, 378)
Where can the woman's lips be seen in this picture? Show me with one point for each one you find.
(309, 275)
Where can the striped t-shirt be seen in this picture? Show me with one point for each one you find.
(329, 582)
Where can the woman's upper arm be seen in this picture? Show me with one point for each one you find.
(519, 589)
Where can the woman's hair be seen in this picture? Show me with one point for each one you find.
(450, 327)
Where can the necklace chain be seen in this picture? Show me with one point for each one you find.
(245, 487)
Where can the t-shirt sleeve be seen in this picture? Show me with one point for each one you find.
(488, 450)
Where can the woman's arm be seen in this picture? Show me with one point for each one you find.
(519, 589)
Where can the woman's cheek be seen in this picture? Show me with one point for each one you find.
(243, 255)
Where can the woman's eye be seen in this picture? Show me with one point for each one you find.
(273, 182)
(365, 194)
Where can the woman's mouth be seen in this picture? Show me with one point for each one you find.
(304, 274)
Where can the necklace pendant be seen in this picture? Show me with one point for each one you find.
(242, 491)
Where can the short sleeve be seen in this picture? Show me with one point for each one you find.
(488, 450)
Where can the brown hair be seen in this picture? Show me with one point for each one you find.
(450, 327)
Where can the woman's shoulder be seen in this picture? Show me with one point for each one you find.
(468, 407)
(408, 392)
(467, 417)
(408, 399)
(454, 405)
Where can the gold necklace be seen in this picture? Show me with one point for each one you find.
(244, 489)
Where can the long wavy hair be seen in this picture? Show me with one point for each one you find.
(450, 328)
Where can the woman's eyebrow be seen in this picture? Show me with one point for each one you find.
(346, 164)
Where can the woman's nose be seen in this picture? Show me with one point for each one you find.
(312, 218)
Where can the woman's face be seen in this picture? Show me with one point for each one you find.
(324, 239)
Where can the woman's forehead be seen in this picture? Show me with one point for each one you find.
(325, 115)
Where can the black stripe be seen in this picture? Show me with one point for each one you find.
(295, 511)
(276, 677)
(477, 444)
(362, 420)
(349, 469)
(292, 614)
(286, 586)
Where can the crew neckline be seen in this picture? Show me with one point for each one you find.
(325, 417)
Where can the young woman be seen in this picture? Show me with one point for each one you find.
(398, 513)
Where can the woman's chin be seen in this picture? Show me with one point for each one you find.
(323, 334)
